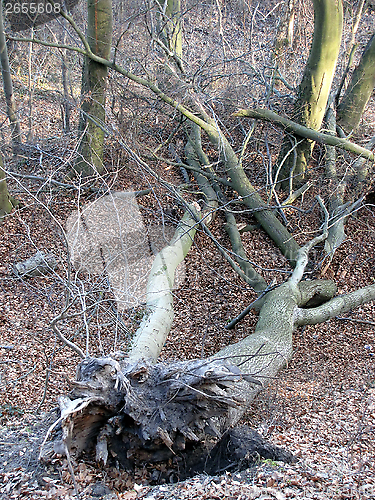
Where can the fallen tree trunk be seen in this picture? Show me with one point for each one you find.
(156, 324)
(195, 154)
(336, 231)
(37, 265)
(139, 411)
(134, 409)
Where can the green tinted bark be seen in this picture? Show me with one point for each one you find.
(170, 25)
(316, 84)
(8, 87)
(359, 91)
(5, 204)
(94, 80)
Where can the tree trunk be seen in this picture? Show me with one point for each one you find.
(65, 106)
(250, 196)
(352, 46)
(157, 322)
(8, 88)
(331, 140)
(314, 89)
(137, 410)
(359, 91)
(285, 31)
(94, 79)
(5, 203)
(169, 26)
(30, 133)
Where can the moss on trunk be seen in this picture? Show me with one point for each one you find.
(5, 203)
(315, 87)
(359, 91)
(170, 26)
(94, 80)
(8, 88)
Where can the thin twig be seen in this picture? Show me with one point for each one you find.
(51, 181)
(245, 142)
(63, 339)
(303, 253)
(363, 321)
(71, 469)
(245, 312)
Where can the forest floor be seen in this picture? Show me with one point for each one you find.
(322, 408)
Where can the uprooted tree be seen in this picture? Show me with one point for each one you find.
(131, 406)
(135, 408)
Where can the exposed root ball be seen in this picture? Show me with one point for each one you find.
(140, 411)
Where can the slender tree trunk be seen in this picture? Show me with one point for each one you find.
(315, 87)
(285, 32)
(65, 106)
(169, 27)
(5, 204)
(352, 47)
(30, 134)
(8, 88)
(359, 91)
(94, 79)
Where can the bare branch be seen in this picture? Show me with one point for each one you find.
(335, 306)
(303, 254)
(270, 116)
(63, 339)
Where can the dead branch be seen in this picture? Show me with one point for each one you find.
(265, 114)
(37, 265)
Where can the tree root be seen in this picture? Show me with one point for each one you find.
(144, 412)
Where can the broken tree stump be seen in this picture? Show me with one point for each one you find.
(37, 265)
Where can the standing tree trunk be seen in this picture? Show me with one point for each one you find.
(94, 79)
(359, 91)
(65, 106)
(5, 204)
(169, 28)
(285, 32)
(8, 88)
(30, 133)
(314, 90)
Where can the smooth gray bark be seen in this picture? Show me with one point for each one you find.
(360, 88)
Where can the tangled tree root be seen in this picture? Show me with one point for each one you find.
(140, 412)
